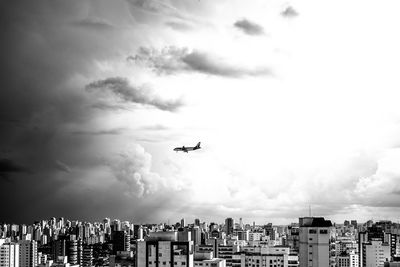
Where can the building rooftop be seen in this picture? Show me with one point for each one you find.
(314, 222)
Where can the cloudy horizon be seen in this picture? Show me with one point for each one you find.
(295, 105)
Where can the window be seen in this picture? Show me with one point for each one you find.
(323, 231)
(312, 231)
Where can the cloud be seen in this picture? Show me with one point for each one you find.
(132, 167)
(121, 88)
(289, 12)
(156, 127)
(157, 8)
(95, 23)
(115, 131)
(179, 26)
(62, 166)
(8, 167)
(171, 60)
(249, 27)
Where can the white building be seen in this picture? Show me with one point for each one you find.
(350, 260)
(265, 260)
(375, 253)
(9, 254)
(206, 259)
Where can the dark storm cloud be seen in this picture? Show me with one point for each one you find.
(42, 99)
(289, 12)
(171, 60)
(249, 27)
(8, 167)
(120, 87)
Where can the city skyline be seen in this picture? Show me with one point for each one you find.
(295, 105)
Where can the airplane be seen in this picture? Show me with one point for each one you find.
(187, 149)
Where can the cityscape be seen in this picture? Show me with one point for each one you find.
(199, 133)
(312, 241)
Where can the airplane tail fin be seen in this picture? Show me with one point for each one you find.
(198, 145)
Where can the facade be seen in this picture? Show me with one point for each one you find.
(28, 254)
(9, 254)
(243, 235)
(314, 236)
(375, 253)
(87, 256)
(206, 259)
(229, 225)
(165, 251)
(265, 260)
(350, 260)
(210, 263)
(293, 260)
(226, 252)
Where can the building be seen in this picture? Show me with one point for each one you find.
(206, 259)
(243, 235)
(59, 248)
(257, 259)
(347, 260)
(392, 264)
(375, 253)
(293, 260)
(229, 224)
(163, 249)
(87, 256)
(28, 254)
(9, 254)
(121, 241)
(314, 233)
(227, 252)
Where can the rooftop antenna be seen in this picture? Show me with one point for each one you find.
(309, 210)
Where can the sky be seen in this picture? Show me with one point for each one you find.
(295, 104)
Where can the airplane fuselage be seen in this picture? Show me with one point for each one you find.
(187, 149)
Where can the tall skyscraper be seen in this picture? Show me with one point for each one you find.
(87, 260)
(59, 248)
(28, 253)
(121, 241)
(73, 252)
(229, 224)
(314, 241)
